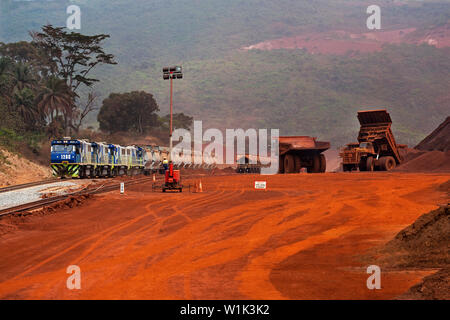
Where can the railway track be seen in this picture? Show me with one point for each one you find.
(93, 190)
(27, 185)
(107, 187)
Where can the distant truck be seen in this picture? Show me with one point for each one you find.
(298, 152)
(376, 148)
(245, 165)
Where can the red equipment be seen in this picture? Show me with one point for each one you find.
(172, 179)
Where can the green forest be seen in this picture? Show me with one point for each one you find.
(293, 90)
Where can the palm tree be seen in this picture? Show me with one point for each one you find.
(24, 105)
(54, 98)
(5, 66)
(23, 77)
(5, 77)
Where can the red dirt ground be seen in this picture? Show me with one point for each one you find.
(300, 239)
(342, 42)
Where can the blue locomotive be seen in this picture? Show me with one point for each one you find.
(78, 158)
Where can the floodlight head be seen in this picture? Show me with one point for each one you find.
(174, 72)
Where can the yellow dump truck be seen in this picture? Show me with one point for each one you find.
(376, 148)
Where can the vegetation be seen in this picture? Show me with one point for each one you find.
(136, 112)
(294, 91)
(179, 120)
(133, 111)
(40, 80)
(39, 85)
(318, 95)
(70, 57)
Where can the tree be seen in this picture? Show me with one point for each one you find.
(179, 120)
(5, 77)
(72, 56)
(23, 77)
(24, 105)
(89, 105)
(132, 111)
(22, 51)
(54, 98)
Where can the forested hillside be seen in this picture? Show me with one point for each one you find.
(294, 90)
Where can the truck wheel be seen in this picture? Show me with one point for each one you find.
(316, 165)
(369, 164)
(289, 163)
(363, 164)
(281, 164)
(323, 163)
(298, 163)
(387, 163)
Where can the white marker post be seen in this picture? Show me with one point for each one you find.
(122, 188)
(260, 185)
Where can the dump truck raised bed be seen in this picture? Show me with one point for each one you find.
(298, 152)
(376, 148)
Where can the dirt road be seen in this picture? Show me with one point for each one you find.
(301, 239)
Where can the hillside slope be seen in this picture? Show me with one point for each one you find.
(297, 91)
(15, 169)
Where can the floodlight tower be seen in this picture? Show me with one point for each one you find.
(171, 73)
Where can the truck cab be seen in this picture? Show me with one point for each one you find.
(353, 155)
(366, 147)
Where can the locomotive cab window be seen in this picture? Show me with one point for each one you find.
(62, 148)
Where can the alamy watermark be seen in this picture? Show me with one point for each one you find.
(74, 19)
(222, 151)
(74, 280)
(374, 20)
(374, 281)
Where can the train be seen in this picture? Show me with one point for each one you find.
(80, 158)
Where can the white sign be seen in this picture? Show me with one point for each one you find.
(260, 185)
(122, 187)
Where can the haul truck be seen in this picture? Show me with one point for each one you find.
(376, 148)
(298, 152)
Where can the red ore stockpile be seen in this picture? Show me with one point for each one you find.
(432, 154)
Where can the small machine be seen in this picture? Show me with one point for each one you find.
(172, 180)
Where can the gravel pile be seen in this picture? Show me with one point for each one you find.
(22, 196)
